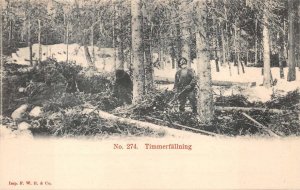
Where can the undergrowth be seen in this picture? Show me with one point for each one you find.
(63, 90)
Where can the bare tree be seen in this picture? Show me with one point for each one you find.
(291, 44)
(205, 97)
(137, 50)
(266, 54)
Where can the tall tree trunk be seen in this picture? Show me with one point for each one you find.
(178, 42)
(92, 43)
(255, 46)
(227, 38)
(247, 57)
(204, 97)
(88, 56)
(39, 41)
(8, 12)
(223, 46)
(147, 59)
(235, 48)
(298, 32)
(92, 35)
(86, 50)
(291, 56)
(284, 40)
(148, 68)
(228, 52)
(137, 51)
(266, 43)
(240, 53)
(120, 44)
(185, 40)
(65, 35)
(114, 37)
(281, 56)
(120, 56)
(10, 32)
(216, 46)
(1, 59)
(281, 59)
(215, 38)
(29, 42)
(160, 51)
(67, 41)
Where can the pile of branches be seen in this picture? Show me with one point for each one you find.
(290, 101)
(50, 80)
(153, 103)
(229, 122)
(74, 122)
(64, 90)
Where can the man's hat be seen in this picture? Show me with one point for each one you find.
(182, 61)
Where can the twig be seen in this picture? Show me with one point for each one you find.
(247, 109)
(182, 126)
(261, 126)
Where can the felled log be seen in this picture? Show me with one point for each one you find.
(245, 109)
(161, 122)
(214, 82)
(141, 124)
(261, 126)
(229, 83)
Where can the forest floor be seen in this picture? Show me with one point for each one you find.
(49, 110)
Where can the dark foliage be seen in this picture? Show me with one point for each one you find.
(284, 102)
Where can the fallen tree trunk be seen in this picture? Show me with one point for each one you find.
(261, 126)
(141, 124)
(214, 82)
(245, 109)
(161, 122)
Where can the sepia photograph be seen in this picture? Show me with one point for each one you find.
(158, 94)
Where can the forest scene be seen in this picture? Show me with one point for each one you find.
(136, 68)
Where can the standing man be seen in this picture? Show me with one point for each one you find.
(185, 82)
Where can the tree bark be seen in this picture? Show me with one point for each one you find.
(236, 61)
(215, 39)
(298, 32)
(281, 56)
(147, 59)
(120, 41)
(255, 46)
(223, 46)
(204, 97)
(227, 39)
(39, 41)
(88, 56)
(240, 51)
(67, 41)
(65, 35)
(266, 43)
(178, 39)
(216, 44)
(249, 109)
(228, 52)
(92, 43)
(29, 42)
(291, 51)
(137, 51)
(114, 38)
(86, 50)
(185, 38)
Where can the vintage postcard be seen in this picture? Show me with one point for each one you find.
(160, 94)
